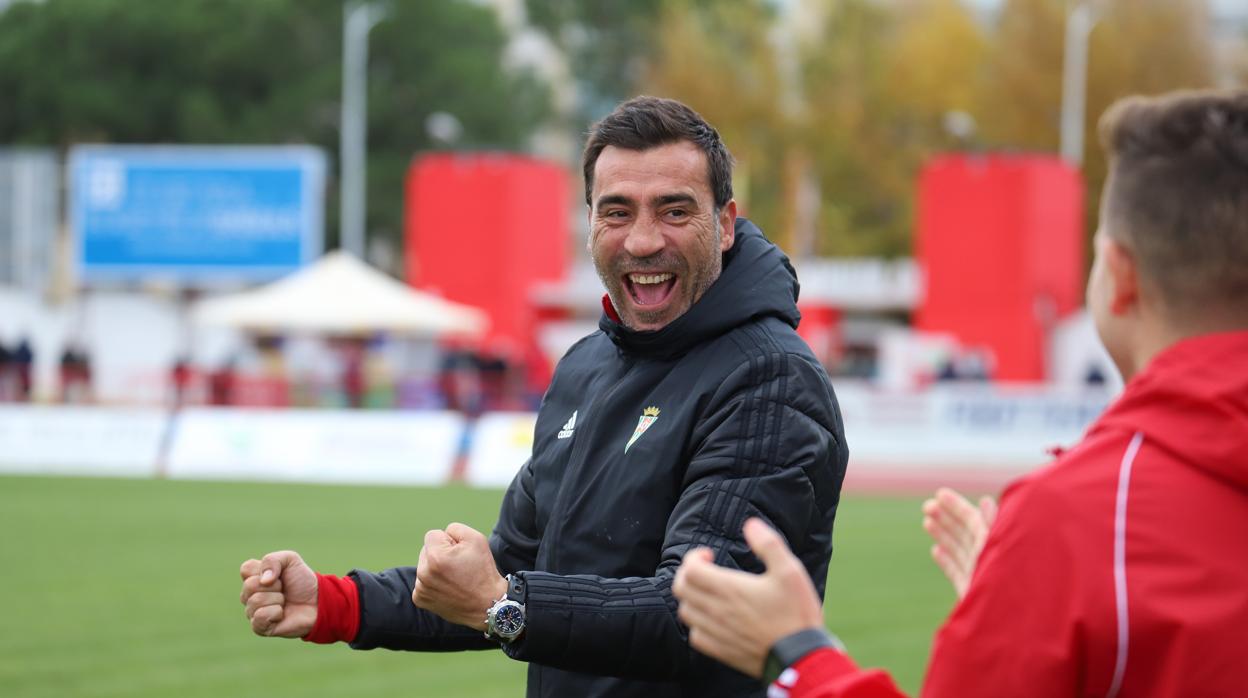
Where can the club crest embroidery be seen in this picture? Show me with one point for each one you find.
(648, 416)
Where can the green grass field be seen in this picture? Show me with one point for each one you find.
(130, 588)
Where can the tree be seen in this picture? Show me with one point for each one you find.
(447, 57)
(258, 71)
(127, 71)
(608, 42)
(1138, 47)
(842, 98)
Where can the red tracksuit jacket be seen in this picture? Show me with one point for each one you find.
(1119, 570)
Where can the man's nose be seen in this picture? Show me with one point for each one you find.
(644, 239)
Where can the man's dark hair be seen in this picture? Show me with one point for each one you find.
(642, 123)
(1177, 194)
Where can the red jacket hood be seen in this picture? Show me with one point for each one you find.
(1192, 400)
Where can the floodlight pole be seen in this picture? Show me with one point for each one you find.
(358, 19)
(1079, 24)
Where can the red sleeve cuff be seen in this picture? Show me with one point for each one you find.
(830, 673)
(337, 610)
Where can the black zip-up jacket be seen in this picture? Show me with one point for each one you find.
(679, 435)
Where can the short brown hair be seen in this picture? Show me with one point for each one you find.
(1177, 194)
(642, 123)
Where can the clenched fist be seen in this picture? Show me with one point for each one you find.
(456, 577)
(279, 593)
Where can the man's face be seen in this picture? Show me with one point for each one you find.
(655, 236)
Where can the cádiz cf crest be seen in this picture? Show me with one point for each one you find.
(648, 416)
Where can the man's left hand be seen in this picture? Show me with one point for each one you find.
(456, 577)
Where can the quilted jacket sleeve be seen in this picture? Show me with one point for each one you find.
(387, 617)
(769, 444)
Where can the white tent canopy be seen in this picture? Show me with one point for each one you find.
(339, 294)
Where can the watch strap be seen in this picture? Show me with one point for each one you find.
(516, 588)
(793, 647)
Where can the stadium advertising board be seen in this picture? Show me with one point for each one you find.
(982, 434)
(195, 215)
(969, 436)
(61, 440)
(501, 443)
(342, 446)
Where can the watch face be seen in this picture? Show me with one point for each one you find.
(509, 620)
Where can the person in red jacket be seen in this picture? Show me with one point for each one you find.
(1119, 569)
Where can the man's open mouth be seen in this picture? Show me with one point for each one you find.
(650, 289)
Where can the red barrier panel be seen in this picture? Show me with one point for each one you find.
(1000, 242)
(484, 229)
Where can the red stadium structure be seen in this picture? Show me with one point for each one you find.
(484, 229)
(1001, 246)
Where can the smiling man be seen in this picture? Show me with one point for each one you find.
(694, 407)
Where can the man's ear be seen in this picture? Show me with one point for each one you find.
(1124, 277)
(728, 225)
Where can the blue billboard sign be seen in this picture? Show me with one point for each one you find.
(195, 215)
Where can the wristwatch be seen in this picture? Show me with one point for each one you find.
(791, 648)
(504, 621)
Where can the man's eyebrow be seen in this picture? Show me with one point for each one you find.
(666, 199)
(610, 199)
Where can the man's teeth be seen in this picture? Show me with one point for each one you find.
(649, 278)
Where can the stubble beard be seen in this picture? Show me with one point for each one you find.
(694, 282)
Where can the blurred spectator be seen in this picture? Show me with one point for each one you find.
(353, 383)
(180, 381)
(7, 381)
(461, 381)
(974, 365)
(966, 365)
(272, 387)
(221, 383)
(23, 360)
(502, 383)
(75, 375)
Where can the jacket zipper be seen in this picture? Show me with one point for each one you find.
(574, 461)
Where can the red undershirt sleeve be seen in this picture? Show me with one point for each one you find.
(829, 673)
(337, 610)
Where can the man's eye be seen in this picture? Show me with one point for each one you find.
(677, 213)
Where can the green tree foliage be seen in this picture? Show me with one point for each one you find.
(1137, 47)
(609, 42)
(878, 80)
(856, 115)
(131, 71)
(258, 71)
(857, 133)
(432, 57)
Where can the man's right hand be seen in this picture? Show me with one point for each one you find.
(958, 530)
(735, 616)
(279, 593)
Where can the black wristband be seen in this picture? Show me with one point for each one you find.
(791, 648)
